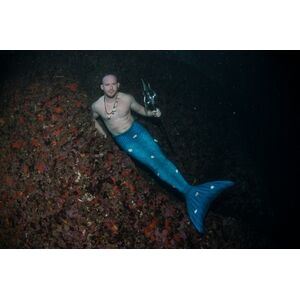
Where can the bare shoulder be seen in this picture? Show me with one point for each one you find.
(125, 97)
(96, 106)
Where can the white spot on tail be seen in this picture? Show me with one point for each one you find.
(196, 194)
(135, 136)
(212, 187)
(176, 171)
(195, 211)
(152, 156)
(158, 174)
(155, 140)
(130, 150)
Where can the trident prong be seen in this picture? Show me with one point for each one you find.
(149, 96)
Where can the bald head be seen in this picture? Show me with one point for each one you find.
(110, 85)
(109, 77)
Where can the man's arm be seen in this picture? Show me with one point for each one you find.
(142, 110)
(97, 125)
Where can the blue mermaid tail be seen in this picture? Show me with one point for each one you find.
(199, 199)
(140, 145)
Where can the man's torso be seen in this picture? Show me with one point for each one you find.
(121, 120)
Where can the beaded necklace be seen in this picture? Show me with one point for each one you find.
(114, 108)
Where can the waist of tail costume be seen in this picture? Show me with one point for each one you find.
(139, 144)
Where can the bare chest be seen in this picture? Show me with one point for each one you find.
(115, 110)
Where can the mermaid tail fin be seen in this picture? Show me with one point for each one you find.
(199, 199)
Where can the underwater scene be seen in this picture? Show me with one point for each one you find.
(216, 169)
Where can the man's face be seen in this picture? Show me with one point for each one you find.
(110, 86)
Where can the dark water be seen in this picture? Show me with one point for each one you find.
(227, 113)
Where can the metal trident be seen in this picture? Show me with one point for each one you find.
(150, 104)
(149, 96)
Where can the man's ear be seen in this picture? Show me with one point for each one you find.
(101, 86)
(118, 84)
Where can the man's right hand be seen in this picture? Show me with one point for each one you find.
(100, 130)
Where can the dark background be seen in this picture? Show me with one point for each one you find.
(247, 99)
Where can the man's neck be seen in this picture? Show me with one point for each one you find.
(110, 99)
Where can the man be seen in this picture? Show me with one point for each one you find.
(115, 109)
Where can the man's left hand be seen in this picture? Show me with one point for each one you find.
(156, 113)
